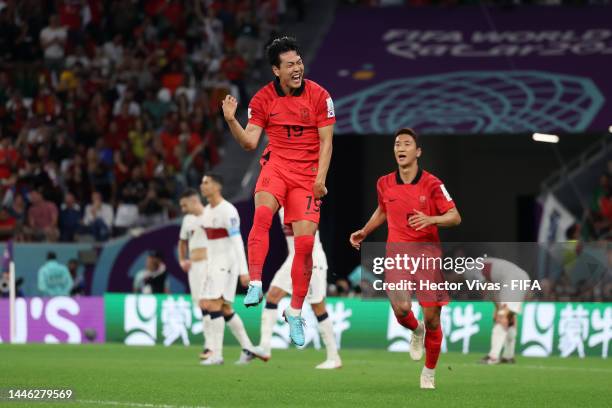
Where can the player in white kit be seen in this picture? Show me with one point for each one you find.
(508, 305)
(226, 263)
(193, 254)
(281, 287)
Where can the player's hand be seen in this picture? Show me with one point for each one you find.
(319, 190)
(229, 106)
(420, 220)
(356, 238)
(185, 265)
(244, 280)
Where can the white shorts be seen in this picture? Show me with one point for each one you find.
(318, 282)
(197, 275)
(221, 280)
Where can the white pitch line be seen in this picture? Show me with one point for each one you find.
(538, 367)
(135, 404)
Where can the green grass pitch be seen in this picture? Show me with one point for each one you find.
(115, 375)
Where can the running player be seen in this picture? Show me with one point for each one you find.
(508, 305)
(298, 116)
(226, 262)
(414, 203)
(193, 254)
(281, 286)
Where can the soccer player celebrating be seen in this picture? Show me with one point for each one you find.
(414, 203)
(298, 116)
(226, 262)
(193, 254)
(281, 286)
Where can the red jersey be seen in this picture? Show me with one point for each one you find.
(292, 123)
(425, 193)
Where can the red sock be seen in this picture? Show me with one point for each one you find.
(259, 240)
(301, 269)
(408, 321)
(433, 344)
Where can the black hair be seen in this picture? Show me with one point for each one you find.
(190, 192)
(280, 46)
(216, 177)
(410, 132)
(51, 255)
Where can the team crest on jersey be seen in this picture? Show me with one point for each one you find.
(423, 201)
(265, 182)
(305, 114)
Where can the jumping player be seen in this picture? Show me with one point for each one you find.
(414, 203)
(281, 286)
(298, 116)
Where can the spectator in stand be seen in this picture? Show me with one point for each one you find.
(8, 158)
(54, 278)
(98, 172)
(42, 218)
(153, 209)
(53, 41)
(78, 285)
(98, 219)
(130, 193)
(8, 224)
(113, 50)
(17, 210)
(139, 138)
(153, 278)
(8, 33)
(174, 77)
(69, 218)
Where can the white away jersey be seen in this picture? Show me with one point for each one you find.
(498, 270)
(192, 231)
(221, 222)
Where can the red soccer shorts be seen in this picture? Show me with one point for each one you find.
(293, 191)
(429, 273)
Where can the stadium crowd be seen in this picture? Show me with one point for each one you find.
(109, 107)
(447, 3)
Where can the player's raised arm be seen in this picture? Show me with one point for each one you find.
(326, 134)
(247, 137)
(378, 217)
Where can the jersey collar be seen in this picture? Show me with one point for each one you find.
(279, 90)
(416, 179)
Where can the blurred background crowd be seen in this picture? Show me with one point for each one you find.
(109, 107)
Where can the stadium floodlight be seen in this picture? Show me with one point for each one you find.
(610, 129)
(542, 137)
